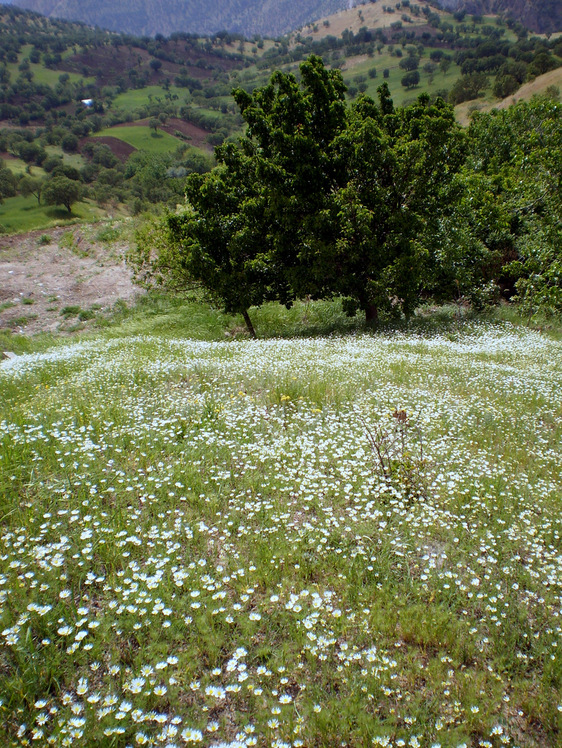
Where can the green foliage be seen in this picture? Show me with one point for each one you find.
(7, 182)
(316, 200)
(468, 87)
(400, 163)
(61, 190)
(410, 80)
(505, 85)
(519, 152)
(30, 186)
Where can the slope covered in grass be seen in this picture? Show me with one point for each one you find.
(330, 541)
(142, 138)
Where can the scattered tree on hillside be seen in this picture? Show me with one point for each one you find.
(410, 80)
(60, 190)
(7, 182)
(30, 186)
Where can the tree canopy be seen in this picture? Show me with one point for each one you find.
(377, 204)
(60, 190)
(319, 198)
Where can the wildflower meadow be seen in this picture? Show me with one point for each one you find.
(338, 541)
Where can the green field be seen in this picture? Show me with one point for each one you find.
(351, 540)
(41, 74)
(71, 159)
(400, 95)
(19, 167)
(20, 214)
(143, 138)
(134, 99)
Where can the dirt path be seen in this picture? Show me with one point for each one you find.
(62, 285)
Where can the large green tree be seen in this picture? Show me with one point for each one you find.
(291, 136)
(251, 229)
(318, 199)
(220, 237)
(399, 166)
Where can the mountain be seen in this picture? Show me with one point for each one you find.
(544, 16)
(205, 17)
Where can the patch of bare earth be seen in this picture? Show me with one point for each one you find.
(196, 135)
(72, 272)
(119, 148)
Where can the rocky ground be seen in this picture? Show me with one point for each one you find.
(61, 280)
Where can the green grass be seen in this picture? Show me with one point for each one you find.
(143, 138)
(20, 214)
(71, 159)
(200, 534)
(19, 167)
(44, 75)
(134, 99)
(400, 95)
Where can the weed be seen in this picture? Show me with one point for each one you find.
(397, 447)
(108, 234)
(44, 239)
(21, 321)
(72, 310)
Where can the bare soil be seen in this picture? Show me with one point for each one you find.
(74, 272)
(197, 135)
(119, 148)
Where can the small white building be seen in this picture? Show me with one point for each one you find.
(88, 102)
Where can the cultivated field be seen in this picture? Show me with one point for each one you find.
(329, 541)
(142, 138)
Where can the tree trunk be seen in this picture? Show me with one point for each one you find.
(371, 314)
(249, 324)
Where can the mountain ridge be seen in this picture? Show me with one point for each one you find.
(151, 17)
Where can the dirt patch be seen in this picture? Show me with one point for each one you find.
(74, 272)
(118, 147)
(196, 135)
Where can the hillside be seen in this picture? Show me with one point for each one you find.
(156, 108)
(544, 16)
(150, 17)
(540, 86)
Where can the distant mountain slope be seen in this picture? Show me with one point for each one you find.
(544, 16)
(150, 17)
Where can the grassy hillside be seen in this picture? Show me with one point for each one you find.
(143, 138)
(547, 84)
(19, 214)
(308, 541)
(48, 68)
